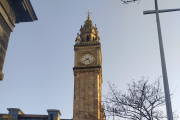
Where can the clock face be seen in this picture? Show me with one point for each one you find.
(87, 59)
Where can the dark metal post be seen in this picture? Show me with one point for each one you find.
(163, 64)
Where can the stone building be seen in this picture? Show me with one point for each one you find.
(88, 74)
(18, 114)
(11, 13)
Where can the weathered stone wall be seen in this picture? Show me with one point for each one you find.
(87, 93)
(6, 27)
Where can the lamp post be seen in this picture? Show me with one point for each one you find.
(163, 63)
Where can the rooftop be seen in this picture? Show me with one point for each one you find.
(24, 10)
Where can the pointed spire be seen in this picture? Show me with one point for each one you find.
(88, 33)
(88, 18)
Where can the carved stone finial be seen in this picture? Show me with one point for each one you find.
(77, 35)
(77, 38)
(88, 14)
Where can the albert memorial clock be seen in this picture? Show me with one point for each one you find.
(87, 73)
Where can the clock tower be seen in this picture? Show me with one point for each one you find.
(87, 74)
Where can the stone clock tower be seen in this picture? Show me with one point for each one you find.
(87, 73)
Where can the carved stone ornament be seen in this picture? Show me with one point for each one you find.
(87, 48)
(96, 70)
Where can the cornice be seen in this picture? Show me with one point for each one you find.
(86, 67)
(24, 10)
(31, 10)
(89, 43)
(19, 110)
(81, 47)
(96, 69)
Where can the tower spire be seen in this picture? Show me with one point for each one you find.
(88, 14)
(88, 33)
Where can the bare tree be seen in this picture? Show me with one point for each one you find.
(129, 1)
(141, 102)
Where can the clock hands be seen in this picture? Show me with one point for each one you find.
(86, 59)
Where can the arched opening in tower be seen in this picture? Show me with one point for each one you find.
(87, 38)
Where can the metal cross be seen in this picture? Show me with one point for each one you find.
(163, 63)
(88, 12)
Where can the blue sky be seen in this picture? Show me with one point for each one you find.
(40, 56)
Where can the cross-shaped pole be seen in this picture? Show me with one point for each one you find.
(88, 12)
(163, 63)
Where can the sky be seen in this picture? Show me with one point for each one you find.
(38, 72)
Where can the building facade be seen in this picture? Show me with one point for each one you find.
(11, 13)
(18, 114)
(88, 74)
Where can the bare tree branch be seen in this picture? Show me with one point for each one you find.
(141, 102)
(129, 1)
